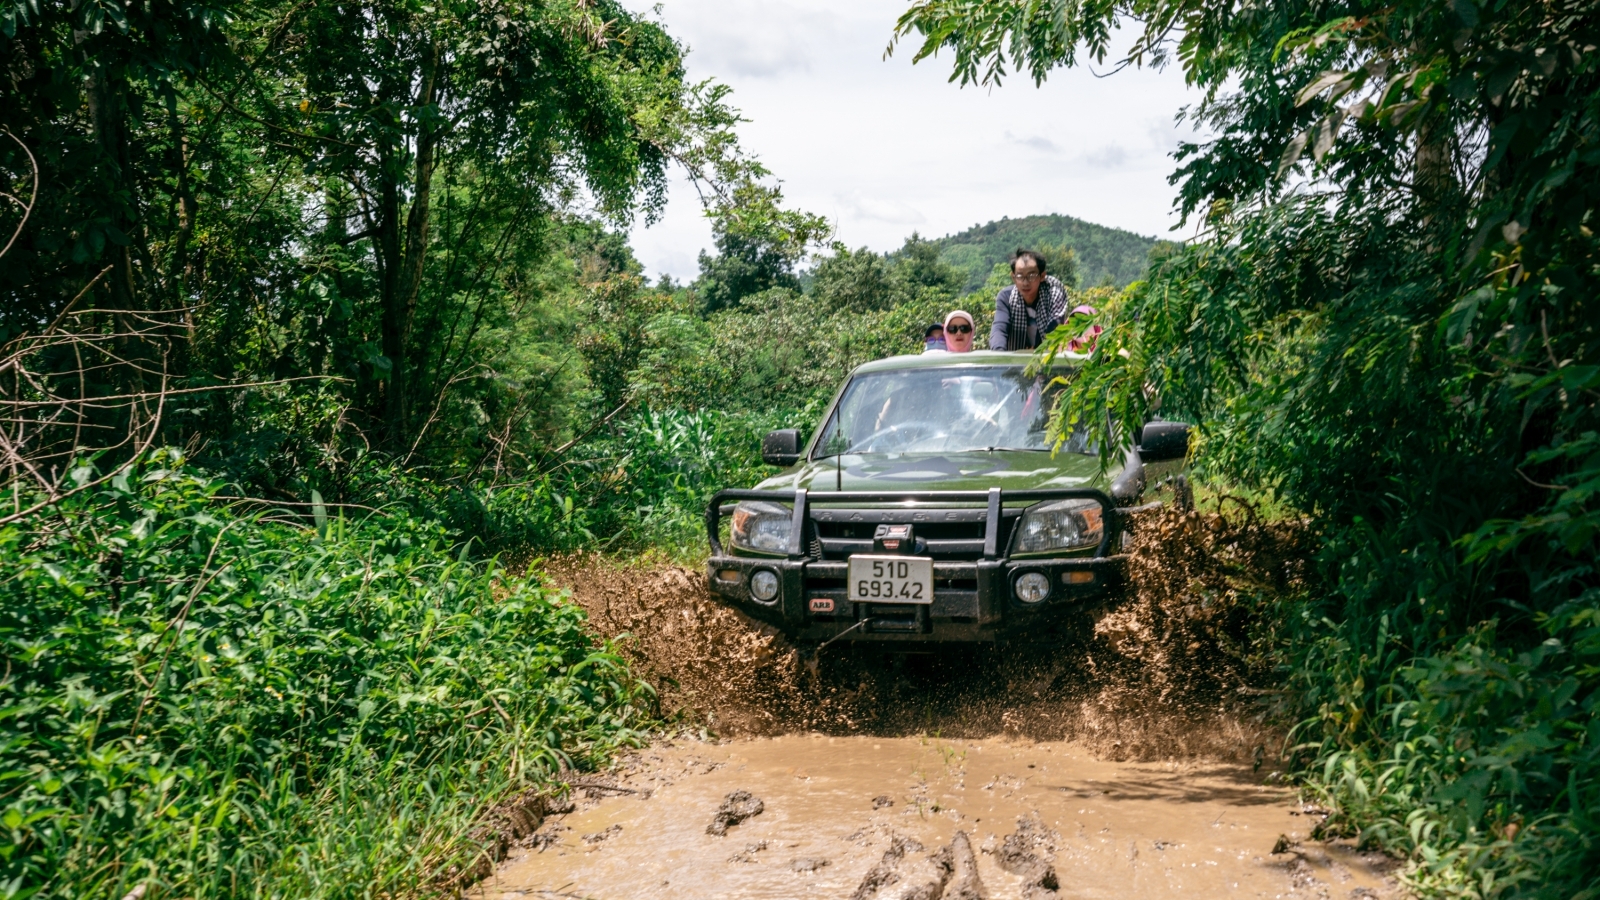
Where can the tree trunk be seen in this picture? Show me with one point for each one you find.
(178, 269)
(418, 217)
(108, 109)
(1433, 180)
(105, 96)
(403, 257)
(390, 280)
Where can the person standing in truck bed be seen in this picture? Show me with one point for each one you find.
(1030, 308)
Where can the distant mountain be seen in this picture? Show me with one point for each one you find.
(1104, 254)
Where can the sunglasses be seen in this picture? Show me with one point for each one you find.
(958, 329)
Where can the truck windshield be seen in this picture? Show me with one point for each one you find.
(943, 410)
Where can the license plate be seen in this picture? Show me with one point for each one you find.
(891, 579)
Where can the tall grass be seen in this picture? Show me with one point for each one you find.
(215, 704)
(640, 487)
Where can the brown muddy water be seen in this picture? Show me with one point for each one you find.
(1043, 820)
(1130, 754)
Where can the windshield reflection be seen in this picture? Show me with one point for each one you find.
(944, 410)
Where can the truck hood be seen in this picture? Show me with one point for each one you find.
(976, 470)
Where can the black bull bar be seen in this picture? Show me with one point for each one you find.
(975, 613)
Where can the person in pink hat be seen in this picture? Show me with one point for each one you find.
(958, 332)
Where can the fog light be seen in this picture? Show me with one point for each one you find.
(764, 585)
(1032, 587)
(1077, 577)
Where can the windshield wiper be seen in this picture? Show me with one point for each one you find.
(1021, 449)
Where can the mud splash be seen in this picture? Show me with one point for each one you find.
(1128, 755)
(1170, 672)
(876, 818)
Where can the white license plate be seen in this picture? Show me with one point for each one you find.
(891, 579)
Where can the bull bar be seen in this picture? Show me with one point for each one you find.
(977, 602)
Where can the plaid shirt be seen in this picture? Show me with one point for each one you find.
(1011, 319)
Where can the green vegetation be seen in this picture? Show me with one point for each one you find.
(214, 703)
(1102, 256)
(1390, 326)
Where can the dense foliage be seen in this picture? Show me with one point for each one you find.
(390, 202)
(210, 703)
(1392, 325)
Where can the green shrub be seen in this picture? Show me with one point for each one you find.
(1446, 664)
(218, 704)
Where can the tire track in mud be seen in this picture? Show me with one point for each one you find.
(1171, 671)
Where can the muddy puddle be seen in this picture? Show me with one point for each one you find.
(1132, 753)
(868, 817)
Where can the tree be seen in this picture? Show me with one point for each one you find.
(759, 243)
(95, 99)
(862, 281)
(918, 267)
(747, 262)
(386, 97)
(372, 192)
(855, 281)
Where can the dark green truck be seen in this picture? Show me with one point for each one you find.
(928, 507)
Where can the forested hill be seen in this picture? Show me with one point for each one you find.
(1104, 254)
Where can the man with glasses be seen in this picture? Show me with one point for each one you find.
(958, 332)
(1030, 308)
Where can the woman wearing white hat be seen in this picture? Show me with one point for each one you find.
(958, 332)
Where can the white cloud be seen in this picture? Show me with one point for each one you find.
(1164, 134)
(750, 40)
(880, 209)
(1109, 156)
(883, 147)
(1034, 141)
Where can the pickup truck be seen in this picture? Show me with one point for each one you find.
(930, 506)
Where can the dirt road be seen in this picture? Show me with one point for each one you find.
(1043, 819)
(1131, 755)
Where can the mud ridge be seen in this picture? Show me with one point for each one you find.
(1171, 671)
(500, 829)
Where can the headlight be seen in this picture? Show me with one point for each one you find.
(762, 526)
(1061, 525)
(1032, 587)
(764, 585)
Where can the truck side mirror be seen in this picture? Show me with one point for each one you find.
(1164, 440)
(781, 447)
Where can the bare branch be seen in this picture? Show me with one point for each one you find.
(27, 210)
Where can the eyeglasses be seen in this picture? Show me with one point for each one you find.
(958, 329)
(1031, 276)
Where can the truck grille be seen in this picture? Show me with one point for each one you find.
(955, 534)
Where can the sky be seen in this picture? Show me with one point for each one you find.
(884, 147)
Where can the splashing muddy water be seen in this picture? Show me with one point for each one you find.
(1128, 754)
(1169, 672)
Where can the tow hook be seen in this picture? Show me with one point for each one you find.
(810, 656)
